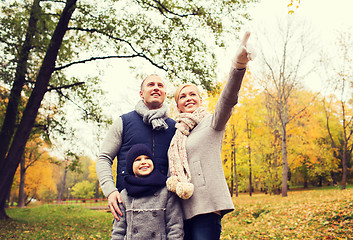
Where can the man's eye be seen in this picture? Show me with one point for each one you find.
(181, 97)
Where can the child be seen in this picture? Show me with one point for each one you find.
(149, 210)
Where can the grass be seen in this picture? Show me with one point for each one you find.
(310, 214)
(56, 222)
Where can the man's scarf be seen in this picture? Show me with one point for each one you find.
(154, 117)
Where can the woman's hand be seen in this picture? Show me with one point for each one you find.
(244, 54)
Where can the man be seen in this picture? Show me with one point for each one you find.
(148, 124)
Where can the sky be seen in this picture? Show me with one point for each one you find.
(326, 16)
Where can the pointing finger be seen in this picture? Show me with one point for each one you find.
(245, 38)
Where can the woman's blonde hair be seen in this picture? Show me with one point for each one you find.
(178, 90)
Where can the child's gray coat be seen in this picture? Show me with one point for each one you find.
(158, 216)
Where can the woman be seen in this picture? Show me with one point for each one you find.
(195, 154)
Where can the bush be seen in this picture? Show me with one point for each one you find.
(83, 189)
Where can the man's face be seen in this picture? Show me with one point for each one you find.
(153, 92)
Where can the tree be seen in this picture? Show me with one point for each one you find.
(147, 34)
(34, 153)
(310, 151)
(16, 150)
(284, 73)
(341, 77)
(241, 137)
(84, 189)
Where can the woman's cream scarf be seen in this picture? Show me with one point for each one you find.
(179, 180)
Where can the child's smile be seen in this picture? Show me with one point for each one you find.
(142, 166)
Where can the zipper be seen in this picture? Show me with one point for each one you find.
(153, 143)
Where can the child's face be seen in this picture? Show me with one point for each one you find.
(142, 166)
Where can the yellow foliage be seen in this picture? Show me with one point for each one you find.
(39, 169)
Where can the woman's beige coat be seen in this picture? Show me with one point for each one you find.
(204, 146)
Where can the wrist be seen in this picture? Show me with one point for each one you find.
(240, 66)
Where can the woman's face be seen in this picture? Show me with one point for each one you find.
(188, 100)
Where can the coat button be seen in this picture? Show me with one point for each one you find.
(153, 234)
(135, 230)
(154, 214)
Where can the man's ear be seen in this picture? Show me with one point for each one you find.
(141, 94)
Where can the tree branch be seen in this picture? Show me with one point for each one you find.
(65, 86)
(137, 54)
(162, 9)
(93, 59)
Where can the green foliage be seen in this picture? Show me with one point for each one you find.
(84, 189)
(178, 37)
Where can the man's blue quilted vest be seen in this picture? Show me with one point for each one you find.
(136, 131)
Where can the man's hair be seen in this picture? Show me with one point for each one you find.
(154, 74)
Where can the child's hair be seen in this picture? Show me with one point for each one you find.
(135, 151)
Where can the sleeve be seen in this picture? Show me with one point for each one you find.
(119, 227)
(174, 217)
(109, 149)
(227, 100)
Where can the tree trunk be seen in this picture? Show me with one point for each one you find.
(21, 192)
(232, 174)
(275, 163)
(8, 126)
(306, 185)
(285, 164)
(63, 185)
(344, 165)
(29, 115)
(248, 129)
(235, 172)
(96, 190)
(345, 150)
(250, 172)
